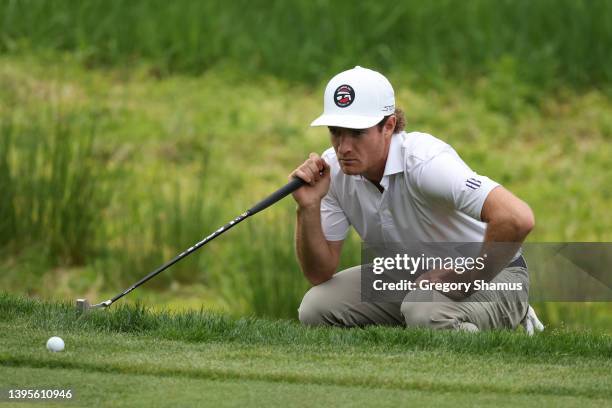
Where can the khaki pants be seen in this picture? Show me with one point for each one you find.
(337, 302)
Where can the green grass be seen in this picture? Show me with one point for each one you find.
(143, 390)
(547, 42)
(130, 130)
(165, 161)
(56, 187)
(127, 351)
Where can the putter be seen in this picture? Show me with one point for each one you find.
(83, 305)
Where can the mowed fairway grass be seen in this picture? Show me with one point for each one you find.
(130, 356)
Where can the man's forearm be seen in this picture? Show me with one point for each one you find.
(509, 221)
(315, 257)
(502, 241)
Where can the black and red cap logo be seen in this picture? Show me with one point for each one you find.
(344, 96)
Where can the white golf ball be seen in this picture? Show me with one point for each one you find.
(55, 344)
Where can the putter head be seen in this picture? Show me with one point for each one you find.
(82, 305)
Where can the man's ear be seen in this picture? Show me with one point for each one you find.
(390, 125)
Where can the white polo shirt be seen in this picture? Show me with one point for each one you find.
(430, 195)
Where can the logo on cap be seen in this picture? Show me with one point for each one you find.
(344, 96)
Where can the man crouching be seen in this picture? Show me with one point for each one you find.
(398, 187)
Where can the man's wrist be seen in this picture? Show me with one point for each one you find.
(310, 207)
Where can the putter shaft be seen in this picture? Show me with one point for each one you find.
(282, 192)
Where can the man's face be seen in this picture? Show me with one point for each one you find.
(359, 151)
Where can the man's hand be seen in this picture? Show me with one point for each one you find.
(318, 257)
(531, 323)
(314, 171)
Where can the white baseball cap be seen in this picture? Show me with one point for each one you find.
(356, 99)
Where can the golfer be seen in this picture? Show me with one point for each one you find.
(398, 187)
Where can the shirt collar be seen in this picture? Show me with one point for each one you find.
(394, 158)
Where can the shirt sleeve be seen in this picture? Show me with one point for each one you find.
(334, 222)
(446, 179)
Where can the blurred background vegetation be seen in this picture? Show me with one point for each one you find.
(130, 130)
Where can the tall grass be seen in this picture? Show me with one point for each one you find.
(164, 162)
(261, 267)
(8, 217)
(64, 206)
(148, 228)
(550, 42)
(153, 229)
(253, 267)
(53, 190)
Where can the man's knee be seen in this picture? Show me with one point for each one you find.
(314, 309)
(326, 303)
(434, 315)
(416, 314)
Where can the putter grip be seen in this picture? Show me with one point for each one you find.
(279, 194)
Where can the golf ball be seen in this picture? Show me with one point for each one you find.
(55, 344)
